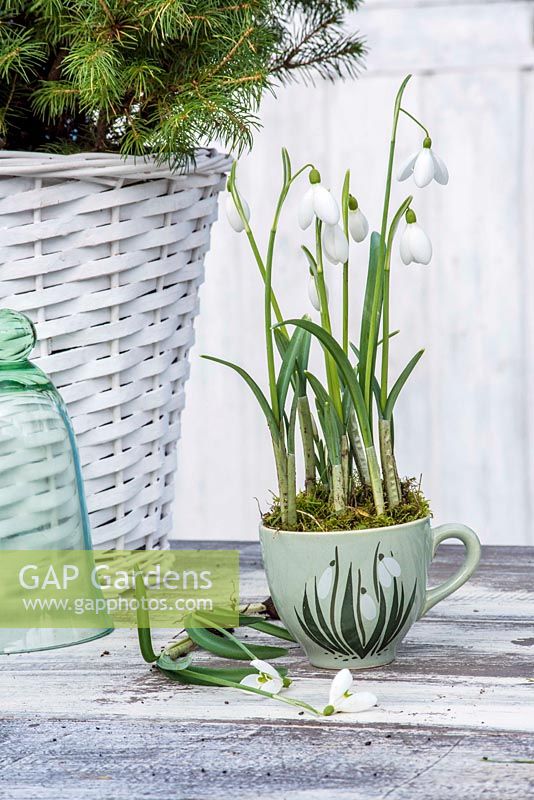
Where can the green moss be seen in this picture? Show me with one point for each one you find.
(315, 512)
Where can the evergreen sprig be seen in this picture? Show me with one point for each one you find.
(158, 77)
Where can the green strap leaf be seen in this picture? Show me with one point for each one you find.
(210, 676)
(260, 397)
(225, 648)
(346, 370)
(143, 621)
(399, 384)
(374, 383)
(372, 306)
(265, 627)
(295, 350)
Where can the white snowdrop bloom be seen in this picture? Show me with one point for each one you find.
(415, 244)
(324, 583)
(233, 215)
(425, 165)
(267, 678)
(317, 202)
(358, 225)
(335, 244)
(342, 699)
(367, 605)
(313, 294)
(388, 568)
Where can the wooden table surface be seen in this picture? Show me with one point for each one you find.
(455, 717)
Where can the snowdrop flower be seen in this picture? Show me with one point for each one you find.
(415, 244)
(267, 679)
(232, 214)
(342, 699)
(388, 568)
(317, 202)
(367, 604)
(335, 245)
(425, 166)
(358, 225)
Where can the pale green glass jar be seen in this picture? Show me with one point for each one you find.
(42, 501)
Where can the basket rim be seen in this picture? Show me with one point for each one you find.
(18, 163)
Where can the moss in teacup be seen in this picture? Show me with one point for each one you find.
(316, 514)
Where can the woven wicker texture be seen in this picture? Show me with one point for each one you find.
(106, 256)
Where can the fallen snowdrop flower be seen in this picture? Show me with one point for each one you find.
(267, 679)
(341, 699)
(317, 202)
(425, 165)
(414, 244)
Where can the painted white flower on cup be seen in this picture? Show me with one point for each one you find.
(342, 699)
(414, 244)
(425, 166)
(233, 215)
(388, 568)
(267, 678)
(335, 244)
(324, 584)
(317, 202)
(358, 225)
(367, 604)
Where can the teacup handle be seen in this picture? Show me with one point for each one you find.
(472, 556)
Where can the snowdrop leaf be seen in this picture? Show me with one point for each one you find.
(225, 648)
(399, 384)
(174, 665)
(372, 306)
(143, 621)
(208, 676)
(295, 349)
(260, 397)
(345, 369)
(265, 627)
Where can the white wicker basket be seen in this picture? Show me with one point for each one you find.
(106, 256)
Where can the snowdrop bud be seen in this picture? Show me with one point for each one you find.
(358, 225)
(233, 215)
(335, 244)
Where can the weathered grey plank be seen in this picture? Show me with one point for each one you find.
(460, 690)
(250, 760)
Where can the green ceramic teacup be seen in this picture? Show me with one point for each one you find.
(350, 597)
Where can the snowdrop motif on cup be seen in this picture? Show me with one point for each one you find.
(233, 215)
(415, 245)
(425, 166)
(358, 225)
(317, 202)
(342, 699)
(388, 568)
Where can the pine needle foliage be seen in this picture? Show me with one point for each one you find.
(158, 77)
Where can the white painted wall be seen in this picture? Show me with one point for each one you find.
(465, 421)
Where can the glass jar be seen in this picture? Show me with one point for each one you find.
(42, 501)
